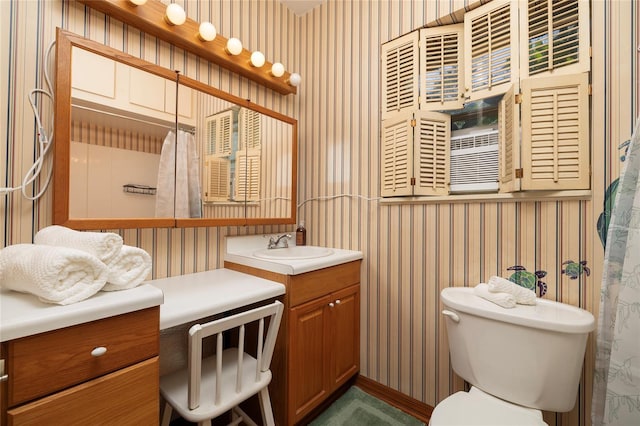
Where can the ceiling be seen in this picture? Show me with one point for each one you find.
(301, 7)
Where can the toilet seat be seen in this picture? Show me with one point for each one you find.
(477, 408)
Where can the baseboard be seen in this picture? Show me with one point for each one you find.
(411, 406)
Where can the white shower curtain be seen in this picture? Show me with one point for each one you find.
(616, 391)
(179, 196)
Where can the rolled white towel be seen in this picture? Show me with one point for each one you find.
(103, 245)
(505, 300)
(129, 268)
(59, 275)
(523, 296)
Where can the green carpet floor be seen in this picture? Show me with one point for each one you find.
(357, 408)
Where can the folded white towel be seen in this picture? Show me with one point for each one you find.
(128, 269)
(505, 300)
(103, 245)
(59, 275)
(523, 296)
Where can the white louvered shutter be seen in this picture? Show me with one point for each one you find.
(397, 155)
(441, 67)
(509, 136)
(216, 186)
(555, 133)
(247, 176)
(432, 153)
(249, 129)
(554, 37)
(491, 49)
(400, 75)
(219, 133)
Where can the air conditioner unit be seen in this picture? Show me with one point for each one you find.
(474, 162)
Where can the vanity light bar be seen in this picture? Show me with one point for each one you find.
(150, 18)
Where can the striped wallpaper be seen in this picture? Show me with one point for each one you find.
(87, 132)
(411, 251)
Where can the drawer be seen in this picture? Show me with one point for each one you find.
(45, 363)
(311, 285)
(126, 397)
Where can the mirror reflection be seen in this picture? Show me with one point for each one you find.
(119, 119)
(231, 160)
(246, 161)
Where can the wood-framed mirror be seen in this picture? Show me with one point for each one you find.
(119, 164)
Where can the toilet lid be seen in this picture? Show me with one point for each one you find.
(476, 408)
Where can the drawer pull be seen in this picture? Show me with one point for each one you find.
(3, 377)
(338, 302)
(99, 351)
(331, 305)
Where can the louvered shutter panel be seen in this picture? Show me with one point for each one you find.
(397, 155)
(250, 129)
(555, 133)
(400, 75)
(432, 153)
(555, 37)
(217, 179)
(441, 66)
(509, 149)
(225, 131)
(212, 135)
(491, 49)
(219, 133)
(247, 177)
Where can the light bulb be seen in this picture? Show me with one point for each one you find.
(207, 31)
(234, 46)
(257, 59)
(175, 14)
(277, 69)
(138, 2)
(295, 79)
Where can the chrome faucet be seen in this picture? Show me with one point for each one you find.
(274, 241)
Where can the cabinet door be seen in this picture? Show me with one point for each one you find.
(147, 90)
(308, 364)
(344, 346)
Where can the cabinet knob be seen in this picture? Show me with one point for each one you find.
(3, 377)
(337, 301)
(331, 304)
(99, 351)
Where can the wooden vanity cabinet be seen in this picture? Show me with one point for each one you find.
(323, 348)
(318, 347)
(57, 377)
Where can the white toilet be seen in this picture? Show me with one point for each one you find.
(518, 361)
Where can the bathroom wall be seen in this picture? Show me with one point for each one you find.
(110, 169)
(411, 251)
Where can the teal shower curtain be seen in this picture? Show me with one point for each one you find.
(616, 391)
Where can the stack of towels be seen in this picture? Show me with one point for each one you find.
(66, 266)
(505, 293)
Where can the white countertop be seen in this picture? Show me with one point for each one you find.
(201, 294)
(23, 314)
(241, 250)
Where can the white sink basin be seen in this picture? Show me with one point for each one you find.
(293, 253)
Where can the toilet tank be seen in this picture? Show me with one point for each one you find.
(528, 355)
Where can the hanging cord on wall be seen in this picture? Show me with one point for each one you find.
(331, 197)
(45, 141)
